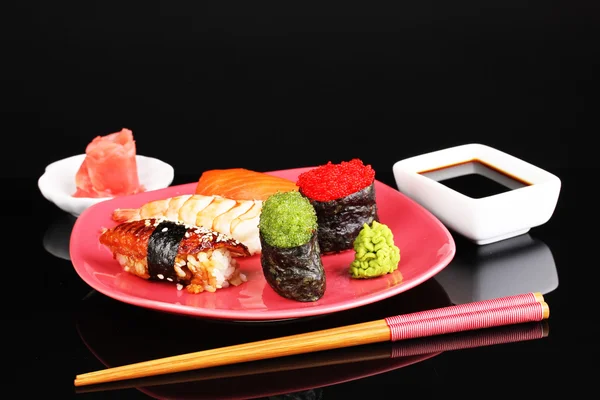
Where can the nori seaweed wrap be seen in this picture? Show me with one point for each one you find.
(295, 273)
(163, 246)
(290, 255)
(343, 196)
(340, 221)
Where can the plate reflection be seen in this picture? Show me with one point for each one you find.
(304, 376)
(57, 236)
(513, 266)
(119, 334)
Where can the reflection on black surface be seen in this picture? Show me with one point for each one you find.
(121, 334)
(118, 334)
(312, 394)
(300, 371)
(513, 266)
(57, 236)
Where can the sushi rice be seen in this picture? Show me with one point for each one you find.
(206, 271)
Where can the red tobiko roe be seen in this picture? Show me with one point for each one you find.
(334, 181)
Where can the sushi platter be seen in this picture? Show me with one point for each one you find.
(238, 244)
(426, 246)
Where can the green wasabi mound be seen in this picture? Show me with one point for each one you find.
(287, 219)
(376, 253)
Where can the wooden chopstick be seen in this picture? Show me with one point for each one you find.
(293, 363)
(488, 313)
(406, 349)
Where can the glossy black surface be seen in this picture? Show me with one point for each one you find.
(269, 88)
(62, 327)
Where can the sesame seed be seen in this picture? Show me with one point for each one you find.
(179, 286)
(165, 229)
(160, 276)
(170, 279)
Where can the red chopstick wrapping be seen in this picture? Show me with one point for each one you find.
(509, 301)
(468, 340)
(430, 324)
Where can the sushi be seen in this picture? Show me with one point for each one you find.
(242, 184)
(196, 258)
(109, 168)
(344, 199)
(236, 218)
(291, 258)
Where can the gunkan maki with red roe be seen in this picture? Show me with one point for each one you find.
(344, 199)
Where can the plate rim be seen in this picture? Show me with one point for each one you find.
(259, 315)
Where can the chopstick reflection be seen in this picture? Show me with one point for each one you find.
(118, 334)
(394, 355)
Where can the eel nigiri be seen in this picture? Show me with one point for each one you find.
(236, 218)
(196, 258)
(242, 184)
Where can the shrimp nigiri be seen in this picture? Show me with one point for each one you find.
(236, 218)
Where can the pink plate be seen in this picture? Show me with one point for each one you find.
(426, 247)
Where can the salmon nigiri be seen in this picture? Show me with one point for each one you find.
(242, 184)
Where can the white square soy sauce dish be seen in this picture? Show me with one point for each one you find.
(527, 197)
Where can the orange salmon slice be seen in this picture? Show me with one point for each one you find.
(242, 184)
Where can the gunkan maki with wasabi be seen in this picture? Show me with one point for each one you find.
(343, 196)
(291, 257)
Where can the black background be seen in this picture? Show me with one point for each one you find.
(274, 86)
(216, 84)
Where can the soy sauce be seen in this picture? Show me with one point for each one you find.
(475, 178)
